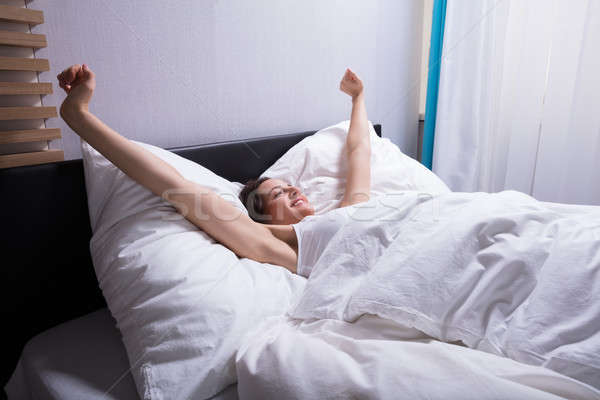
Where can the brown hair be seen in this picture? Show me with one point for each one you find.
(252, 200)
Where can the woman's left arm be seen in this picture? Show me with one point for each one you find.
(358, 144)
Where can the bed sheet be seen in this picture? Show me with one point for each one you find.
(375, 358)
(80, 359)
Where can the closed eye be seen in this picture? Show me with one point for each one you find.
(276, 195)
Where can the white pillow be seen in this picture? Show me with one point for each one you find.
(182, 302)
(318, 166)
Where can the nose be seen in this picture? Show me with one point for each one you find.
(293, 192)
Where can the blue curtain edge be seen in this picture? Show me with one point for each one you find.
(433, 80)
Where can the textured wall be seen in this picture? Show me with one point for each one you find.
(189, 72)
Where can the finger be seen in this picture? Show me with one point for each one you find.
(62, 81)
(65, 75)
(89, 74)
(80, 76)
(74, 69)
(85, 71)
(63, 86)
(62, 77)
(70, 73)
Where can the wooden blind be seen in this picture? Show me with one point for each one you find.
(21, 15)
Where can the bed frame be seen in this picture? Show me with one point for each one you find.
(48, 273)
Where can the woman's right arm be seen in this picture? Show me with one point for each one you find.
(358, 144)
(201, 206)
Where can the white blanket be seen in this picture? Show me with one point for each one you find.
(373, 358)
(500, 272)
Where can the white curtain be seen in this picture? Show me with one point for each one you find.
(519, 99)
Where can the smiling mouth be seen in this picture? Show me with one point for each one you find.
(297, 202)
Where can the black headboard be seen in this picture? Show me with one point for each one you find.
(48, 276)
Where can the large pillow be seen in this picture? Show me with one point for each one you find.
(181, 301)
(318, 165)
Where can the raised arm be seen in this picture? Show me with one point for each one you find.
(358, 143)
(142, 166)
(201, 206)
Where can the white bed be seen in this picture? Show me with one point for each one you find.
(371, 358)
(80, 359)
(193, 318)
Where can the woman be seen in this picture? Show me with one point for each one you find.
(269, 200)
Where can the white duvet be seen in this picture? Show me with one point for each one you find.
(502, 273)
(374, 358)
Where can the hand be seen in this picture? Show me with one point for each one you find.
(79, 82)
(351, 84)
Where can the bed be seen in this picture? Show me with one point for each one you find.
(80, 359)
(49, 276)
(51, 280)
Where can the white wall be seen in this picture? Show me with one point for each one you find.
(190, 72)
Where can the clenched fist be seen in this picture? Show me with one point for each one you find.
(79, 82)
(351, 84)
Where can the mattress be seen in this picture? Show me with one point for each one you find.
(80, 359)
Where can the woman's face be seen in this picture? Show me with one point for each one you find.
(284, 202)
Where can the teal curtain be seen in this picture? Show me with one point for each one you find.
(433, 80)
